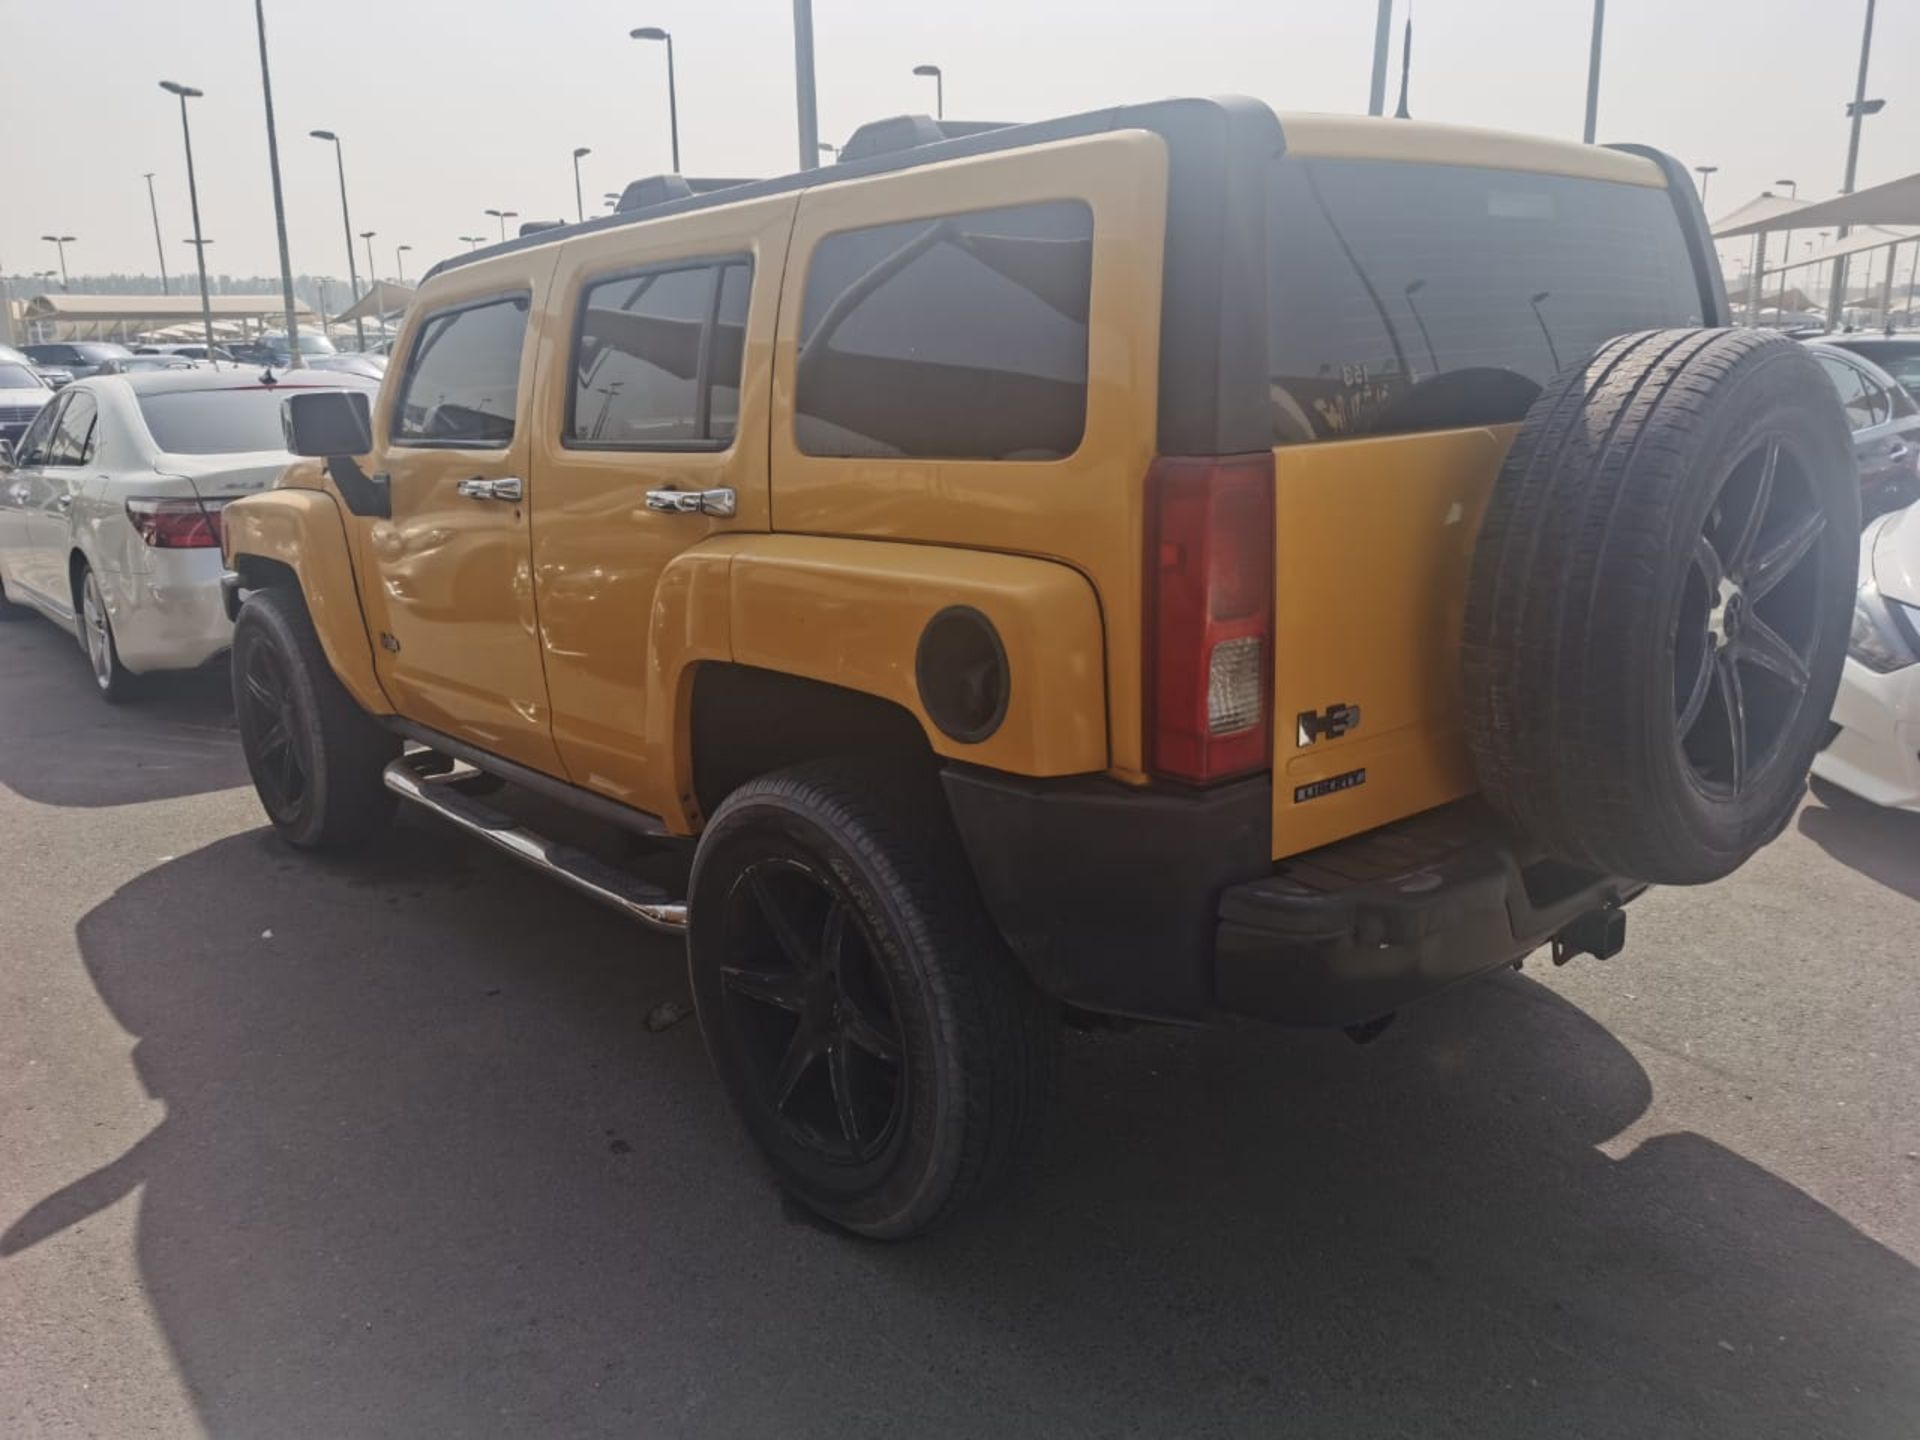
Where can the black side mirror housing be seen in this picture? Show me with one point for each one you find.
(327, 423)
(335, 426)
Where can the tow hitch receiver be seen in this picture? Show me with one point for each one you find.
(1599, 933)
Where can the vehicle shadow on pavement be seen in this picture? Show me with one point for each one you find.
(176, 738)
(424, 1170)
(1882, 844)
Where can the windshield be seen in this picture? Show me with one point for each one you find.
(1424, 297)
(93, 353)
(216, 422)
(310, 344)
(18, 377)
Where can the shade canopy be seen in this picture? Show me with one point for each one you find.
(62, 316)
(1895, 203)
(383, 298)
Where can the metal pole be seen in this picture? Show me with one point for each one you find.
(1593, 70)
(373, 284)
(400, 262)
(294, 362)
(1382, 42)
(61, 246)
(579, 204)
(159, 249)
(346, 224)
(803, 84)
(199, 245)
(939, 95)
(673, 106)
(1837, 297)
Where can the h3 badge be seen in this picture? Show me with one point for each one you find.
(1331, 723)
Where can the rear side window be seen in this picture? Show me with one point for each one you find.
(73, 434)
(1865, 402)
(657, 361)
(463, 377)
(1423, 297)
(962, 337)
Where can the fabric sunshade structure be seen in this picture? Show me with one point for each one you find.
(384, 298)
(98, 317)
(1895, 203)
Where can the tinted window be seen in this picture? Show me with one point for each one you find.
(1855, 393)
(215, 422)
(72, 442)
(637, 370)
(1416, 297)
(93, 352)
(54, 354)
(18, 377)
(463, 377)
(32, 449)
(963, 337)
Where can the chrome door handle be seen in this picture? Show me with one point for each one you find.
(1898, 450)
(482, 489)
(721, 502)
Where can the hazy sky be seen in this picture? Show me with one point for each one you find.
(448, 107)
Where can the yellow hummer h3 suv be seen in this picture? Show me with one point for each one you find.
(1176, 562)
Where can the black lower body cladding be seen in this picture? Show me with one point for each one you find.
(1659, 603)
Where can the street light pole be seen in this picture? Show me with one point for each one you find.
(939, 88)
(579, 205)
(473, 241)
(1858, 111)
(279, 205)
(373, 283)
(1382, 43)
(1593, 70)
(503, 216)
(60, 243)
(346, 224)
(808, 111)
(654, 32)
(186, 93)
(400, 262)
(1786, 248)
(158, 249)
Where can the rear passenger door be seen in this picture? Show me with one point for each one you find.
(652, 439)
(22, 490)
(62, 476)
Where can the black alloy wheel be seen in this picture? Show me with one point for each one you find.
(1745, 631)
(270, 726)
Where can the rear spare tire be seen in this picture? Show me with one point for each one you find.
(1659, 603)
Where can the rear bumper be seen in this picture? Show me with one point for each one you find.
(169, 616)
(1876, 753)
(1164, 903)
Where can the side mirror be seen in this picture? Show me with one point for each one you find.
(6, 454)
(327, 423)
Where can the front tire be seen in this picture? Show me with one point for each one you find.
(315, 756)
(888, 1055)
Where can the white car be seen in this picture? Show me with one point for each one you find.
(23, 395)
(1875, 750)
(110, 511)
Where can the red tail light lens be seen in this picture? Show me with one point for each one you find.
(176, 524)
(1209, 621)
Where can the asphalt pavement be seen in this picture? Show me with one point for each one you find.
(383, 1146)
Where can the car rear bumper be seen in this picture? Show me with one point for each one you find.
(1164, 903)
(1876, 751)
(170, 616)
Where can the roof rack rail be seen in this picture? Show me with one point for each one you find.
(659, 189)
(906, 132)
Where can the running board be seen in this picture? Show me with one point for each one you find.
(646, 903)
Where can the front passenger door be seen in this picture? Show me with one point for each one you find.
(23, 491)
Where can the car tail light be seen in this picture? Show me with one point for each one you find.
(169, 524)
(1209, 621)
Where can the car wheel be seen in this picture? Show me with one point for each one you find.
(315, 756)
(886, 1052)
(1659, 600)
(115, 682)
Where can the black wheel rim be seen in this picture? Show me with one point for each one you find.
(1747, 625)
(267, 705)
(814, 1011)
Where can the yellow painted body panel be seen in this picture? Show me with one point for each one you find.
(1374, 541)
(598, 553)
(301, 528)
(1356, 137)
(1085, 511)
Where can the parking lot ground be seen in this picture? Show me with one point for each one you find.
(382, 1146)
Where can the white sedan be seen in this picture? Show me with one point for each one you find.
(1875, 749)
(110, 511)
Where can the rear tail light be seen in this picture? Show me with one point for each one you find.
(170, 524)
(1209, 622)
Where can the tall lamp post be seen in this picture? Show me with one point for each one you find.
(1786, 246)
(186, 93)
(503, 216)
(832, 152)
(400, 262)
(346, 224)
(580, 152)
(1857, 111)
(473, 241)
(1706, 173)
(158, 249)
(373, 282)
(1593, 70)
(654, 32)
(279, 204)
(60, 243)
(808, 111)
(932, 72)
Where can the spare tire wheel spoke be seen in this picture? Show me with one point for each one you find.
(782, 989)
(799, 954)
(801, 1052)
(1707, 561)
(840, 1078)
(1769, 568)
(1762, 645)
(1733, 698)
(1742, 547)
(1696, 705)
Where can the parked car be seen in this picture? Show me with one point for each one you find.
(1875, 746)
(371, 367)
(273, 346)
(1039, 566)
(80, 358)
(195, 351)
(110, 512)
(1897, 355)
(23, 394)
(54, 375)
(139, 364)
(1885, 421)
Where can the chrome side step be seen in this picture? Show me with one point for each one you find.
(439, 793)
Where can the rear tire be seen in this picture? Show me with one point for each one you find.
(315, 756)
(1659, 603)
(115, 682)
(885, 1050)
